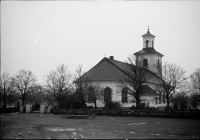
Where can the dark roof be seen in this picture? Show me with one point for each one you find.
(148, 50)
(148, 34)
(146, 90)
(106, 69)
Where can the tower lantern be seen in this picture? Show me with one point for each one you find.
(148, 40)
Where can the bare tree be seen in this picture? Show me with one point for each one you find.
(58, 83)
(134, 77)
(12, 97)
(98, 94)
(86, 89)
(36, 93)
(181, 99)
(194, 86)
(195, 83)
(172, 78)
(82, 85)
(49, 98)
(7, 87)
(24, 82)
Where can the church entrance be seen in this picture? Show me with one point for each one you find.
(107, 94)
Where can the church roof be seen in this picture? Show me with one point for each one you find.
(148, 50)
(148, 34)
(146, 90)
(106, 69)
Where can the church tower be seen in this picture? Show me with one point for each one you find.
(150, 58)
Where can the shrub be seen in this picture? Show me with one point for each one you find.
(112, 105)
(181, 99)
(37, 105)
(52, 111)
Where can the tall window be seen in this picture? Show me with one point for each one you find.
(156, 100)
(147, 43)
(158, 63)
(159, 97)
(164, 97)
(145, 62)
(107, 94)
(91, 94)
(124, 95)
(152, 44)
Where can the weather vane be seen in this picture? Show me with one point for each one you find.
(148, 27)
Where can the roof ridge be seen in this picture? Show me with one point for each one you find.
(94, 66)
(134, 65)
(116, 65)
(149, 50)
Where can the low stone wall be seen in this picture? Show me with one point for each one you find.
(9, 110)
(127, 112)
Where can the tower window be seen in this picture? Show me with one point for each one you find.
(152, 44)
(147, 43)
(158, 63)
(145, 62)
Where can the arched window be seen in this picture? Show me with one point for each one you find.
(147, 43)
(158, 63)
(164, 97)
(107, 94)
(124, 95)
(91, 94)
(152, 43)
(156, 100)
(145, 62)
(159, 97)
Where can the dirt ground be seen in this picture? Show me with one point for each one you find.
(46, 126)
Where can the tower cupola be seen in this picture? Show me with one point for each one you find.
(148, 40)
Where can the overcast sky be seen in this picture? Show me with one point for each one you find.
(40, 35)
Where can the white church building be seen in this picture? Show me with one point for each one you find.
(108, 70)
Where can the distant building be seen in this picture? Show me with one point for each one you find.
(108, 70)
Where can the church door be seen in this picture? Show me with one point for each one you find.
(107, 94)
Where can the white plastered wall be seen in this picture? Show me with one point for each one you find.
(152, 60)
(116, 94)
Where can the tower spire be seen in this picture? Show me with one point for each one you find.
(148, 29)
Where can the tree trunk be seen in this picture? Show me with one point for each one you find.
(18, 106)
(167, 102)
(137, 104)
(32, 106)
(95, 104)
(4, 101)
(71, 105)
(23, 103)
(59, 104)
(137, 98)
(167, 106)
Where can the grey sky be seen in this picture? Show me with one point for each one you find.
(40, 35)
